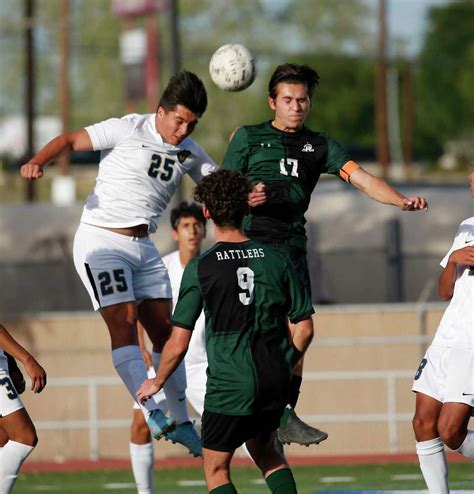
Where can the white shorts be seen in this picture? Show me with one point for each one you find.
(117, 268)
(9, 400)
(446, 374)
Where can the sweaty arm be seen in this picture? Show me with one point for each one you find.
(173, 353)
(71, 141)
(32, 367)
(447, 279)
(380, 191)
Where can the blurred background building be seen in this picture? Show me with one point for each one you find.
(396, 90)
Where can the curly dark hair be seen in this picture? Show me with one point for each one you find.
(224, 193)
(186, 210)
(186, 89)
(293, 74)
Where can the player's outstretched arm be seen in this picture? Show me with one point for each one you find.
(72, 141)
(32, 367)
(382, 192)
(464, 256)
(173, 353)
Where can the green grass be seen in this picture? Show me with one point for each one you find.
(310, 479)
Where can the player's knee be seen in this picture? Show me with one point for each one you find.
(140, 433)
(26, 436)
(423, 424)
(452, 434)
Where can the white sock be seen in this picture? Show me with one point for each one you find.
(130, 366)
(467, 447)
(433, 465)
(175, 391)
(143, 459)
(12, 455)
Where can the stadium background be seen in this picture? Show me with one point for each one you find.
(359, 368)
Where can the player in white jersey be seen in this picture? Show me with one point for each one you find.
(17, 432)
(188, 229)
(444, 381)
(143, 158)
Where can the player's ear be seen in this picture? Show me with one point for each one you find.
(271, 103)
(174, 234)
(206, 213)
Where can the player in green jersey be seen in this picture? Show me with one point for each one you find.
(283, 159)
(248, 291)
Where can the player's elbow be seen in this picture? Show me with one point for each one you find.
(445, 295)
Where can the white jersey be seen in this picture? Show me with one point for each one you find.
(138, 171)
(456, 329)
(196, 353)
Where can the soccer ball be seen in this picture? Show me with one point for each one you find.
(232, 67)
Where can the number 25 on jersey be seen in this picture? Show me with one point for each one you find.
(159, 168)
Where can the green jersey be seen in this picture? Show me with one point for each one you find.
(290, 165)
(247, 290)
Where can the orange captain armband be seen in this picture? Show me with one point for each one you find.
(347, 170)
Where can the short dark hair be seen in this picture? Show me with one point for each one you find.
(186, 89)
(185, 210)
(224, 193)
(293, 74)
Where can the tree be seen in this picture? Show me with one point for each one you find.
(445, 99)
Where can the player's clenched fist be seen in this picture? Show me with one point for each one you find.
(414, 204)
(31, 171)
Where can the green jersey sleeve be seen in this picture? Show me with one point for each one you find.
(300, 303)
(236, 155)
(190, 303)
(337, 157)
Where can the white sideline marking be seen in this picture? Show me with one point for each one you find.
(191, 483)
(119, 485)
(328, 480)
(408, 476)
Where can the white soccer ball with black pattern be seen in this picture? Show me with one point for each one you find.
(232, 67)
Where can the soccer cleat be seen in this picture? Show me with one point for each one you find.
(186, 435)
(293, 430)
(159, 424)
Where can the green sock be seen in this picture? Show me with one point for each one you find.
(286, 413)
(225, 489)
(282, 482)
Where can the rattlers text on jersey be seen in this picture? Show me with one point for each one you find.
(138, 172)
(248, 290)
(290, 165)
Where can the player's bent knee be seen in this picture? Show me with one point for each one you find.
(423, 424)
(452, 435)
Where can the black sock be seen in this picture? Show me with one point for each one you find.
(295, 385)
(224, 489)
(281, 482)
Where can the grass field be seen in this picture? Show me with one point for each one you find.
(310, 479)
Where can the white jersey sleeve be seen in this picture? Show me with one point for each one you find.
(107, 134)
(204, 164)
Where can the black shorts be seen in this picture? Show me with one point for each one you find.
(227, 432)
